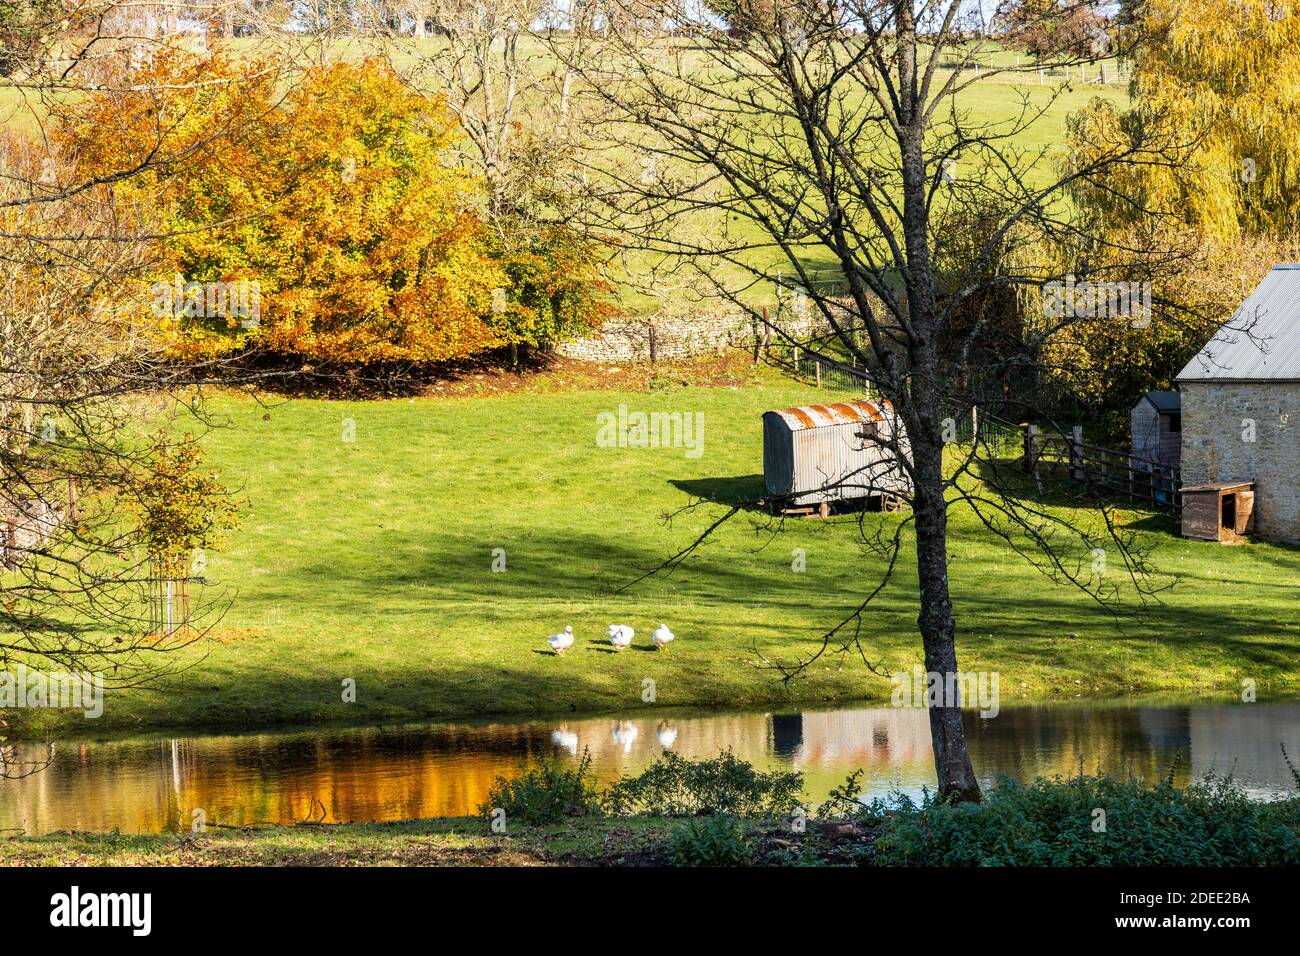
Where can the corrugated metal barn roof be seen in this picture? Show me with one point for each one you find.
(1262, 340)
(819, 416)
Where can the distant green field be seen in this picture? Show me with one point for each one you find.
(994, 100)
(372, 560)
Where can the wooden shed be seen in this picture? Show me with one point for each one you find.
(817, 454)
(1222, 511)
(1156, 424)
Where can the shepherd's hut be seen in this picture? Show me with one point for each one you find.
(818, 454)
(1241, 417)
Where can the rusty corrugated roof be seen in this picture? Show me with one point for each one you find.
(836, 413)
(1261, 342)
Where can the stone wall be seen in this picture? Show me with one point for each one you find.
(25, 527)
(1217, 428)
(681, 336)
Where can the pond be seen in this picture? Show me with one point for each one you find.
(391, 773)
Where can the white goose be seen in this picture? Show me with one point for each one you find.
(662, 636)
(562, 641)
(620, 635)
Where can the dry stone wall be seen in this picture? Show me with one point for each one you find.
(662, 337)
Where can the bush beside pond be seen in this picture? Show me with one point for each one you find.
(1089, 821)
(1079, 821)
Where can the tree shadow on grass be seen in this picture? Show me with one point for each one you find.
(570, 573)
(742, 490)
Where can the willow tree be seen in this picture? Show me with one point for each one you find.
(1223, 79)
(843, 137)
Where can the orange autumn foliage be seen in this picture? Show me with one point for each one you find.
(330, 194)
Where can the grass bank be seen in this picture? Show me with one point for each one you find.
(455, 841)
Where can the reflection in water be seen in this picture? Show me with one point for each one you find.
(445, 770)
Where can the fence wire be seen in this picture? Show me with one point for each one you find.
(998, 438)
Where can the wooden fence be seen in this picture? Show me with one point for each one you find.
(1117, 472)
(1108, 469)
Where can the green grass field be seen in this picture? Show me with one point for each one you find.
(371, 559)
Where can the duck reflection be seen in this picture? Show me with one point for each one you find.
(565, 739)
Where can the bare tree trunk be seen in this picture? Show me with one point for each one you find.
(952, 763)
(938, 628)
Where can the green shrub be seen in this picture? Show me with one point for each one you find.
(710, 841)
(675, 787)
(842, 802)
(546, 793)
(1053, 823)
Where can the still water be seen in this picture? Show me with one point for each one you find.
(393, 773)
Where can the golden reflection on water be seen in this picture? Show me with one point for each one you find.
(360, 775)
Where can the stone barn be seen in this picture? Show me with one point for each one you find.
(1241, 405)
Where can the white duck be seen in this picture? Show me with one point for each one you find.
(562, 641)
(620, 635)
(662, 636)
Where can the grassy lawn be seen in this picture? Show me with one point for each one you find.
(454, 841)
(371, 559)
(445, 841)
